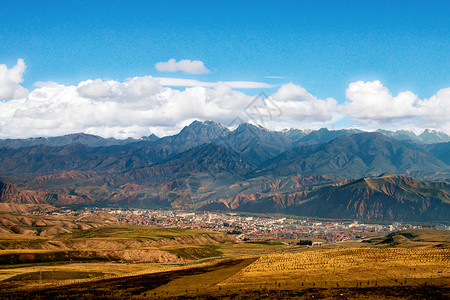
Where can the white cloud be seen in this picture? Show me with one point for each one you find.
(136, 107)
(436, 107)
(373, 101)
(131, 90)
(247, 85)
(142, 105)
(297, 104)
(10, 80)
(185, 65)
(374, 106)
(435, 111)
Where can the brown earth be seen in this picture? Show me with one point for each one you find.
(10, 193)
(117, 288)
(50, 225)
(148, 286)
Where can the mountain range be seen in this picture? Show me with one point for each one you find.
(82, 138)
(428, 136)
(323, 173)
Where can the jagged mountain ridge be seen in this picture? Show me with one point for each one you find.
(324, 135)
(256, 145)
(206, 165)
(82, 138)
(43, 159)
(209, 130)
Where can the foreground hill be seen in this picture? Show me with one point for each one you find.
(346, 270)
(414, 238)
(385, 197)
(31, 239)
(19, 226)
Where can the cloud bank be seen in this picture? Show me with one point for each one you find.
(372, 105)
(185, 65)
(143, 105)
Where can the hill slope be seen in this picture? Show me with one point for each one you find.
(385, 197)
(9, 193)
(359, 155)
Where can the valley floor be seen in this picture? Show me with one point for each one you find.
(347, 273)
(142, 262)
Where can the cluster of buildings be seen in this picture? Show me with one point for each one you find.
(251, 227)
(254, 227)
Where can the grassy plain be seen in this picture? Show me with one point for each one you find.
(193, 264)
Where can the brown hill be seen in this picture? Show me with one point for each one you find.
(9, 193)
(414, 238)
(51, 225)
(385, 197)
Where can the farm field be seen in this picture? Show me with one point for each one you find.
(200, 264)
(325, 273)
(352, 267)
(353, 272)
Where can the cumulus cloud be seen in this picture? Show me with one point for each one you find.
(131, 90)
(185, 65)
(137, 107)
(373, 101)
(373, 105)
(10, 80)
(436, 107)
(143, 105)
(297, 104)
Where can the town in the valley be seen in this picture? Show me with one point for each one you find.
(255, 227)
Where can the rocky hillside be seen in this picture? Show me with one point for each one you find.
(364, 154)
(9, 193)
(386, 197)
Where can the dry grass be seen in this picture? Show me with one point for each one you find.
(255, 269)
(239, 249)
(344, 267)
(328, 272)
(203, 283)
(57, 275)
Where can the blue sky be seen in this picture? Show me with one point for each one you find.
(322, 46)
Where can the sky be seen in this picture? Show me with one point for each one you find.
(133, 68)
